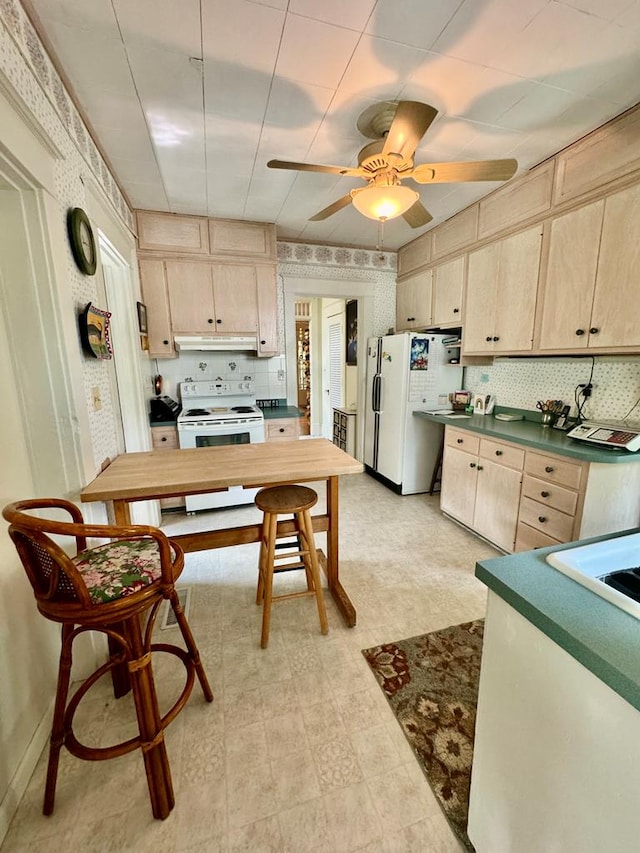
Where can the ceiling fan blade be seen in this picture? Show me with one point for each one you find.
(409, 125)
(333, 208)
(312, 167)
(477, 170)
(417, 215)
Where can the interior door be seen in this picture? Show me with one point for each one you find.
(333, 324)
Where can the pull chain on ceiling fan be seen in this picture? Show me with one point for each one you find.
(397, 128)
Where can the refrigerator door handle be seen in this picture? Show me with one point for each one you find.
(375, 394)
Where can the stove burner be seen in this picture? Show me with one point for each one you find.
(196, 413)
(243, 410)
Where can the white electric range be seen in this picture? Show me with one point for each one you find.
(216, 413)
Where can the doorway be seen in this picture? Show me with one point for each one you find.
(315, 291)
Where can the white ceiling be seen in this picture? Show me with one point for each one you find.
(190, 98)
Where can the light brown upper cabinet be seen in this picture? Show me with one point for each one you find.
(212, 298)
(168, 232)
(570, 280)
(415, 254)
(413, 301)
(268, 342)
(248, 239)
(502, 283)
(448, 287)
(156, 298)
(590, 298)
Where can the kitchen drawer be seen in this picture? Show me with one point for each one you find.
(552, 522)
(503, 454)
(553, 469)
(280, 429)
(528, 538)
(550, 494)
(462, 440)
(164, 438)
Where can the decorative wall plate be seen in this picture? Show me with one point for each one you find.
(94, 331)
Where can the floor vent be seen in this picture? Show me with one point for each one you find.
(169, 617)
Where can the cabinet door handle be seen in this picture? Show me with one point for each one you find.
(579, 331)
(460, 440)
(217, 321)
(498, 453)
(166, 343)
(496, 338)
(164, 438)
(456, 310)
(479, 467)
(262, 343)
(548, 469)
(593, 331)
(541, 519)
(489, 338)
(411, 319)
(210, 320)
(545, 494)
(472, 464)
(281, 429)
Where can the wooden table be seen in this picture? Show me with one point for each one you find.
(167, 473)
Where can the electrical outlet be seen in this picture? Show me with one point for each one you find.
(96, 398)
(586, 390)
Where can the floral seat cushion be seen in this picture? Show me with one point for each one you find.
(119, 568)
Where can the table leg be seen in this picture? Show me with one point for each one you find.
(342, 600)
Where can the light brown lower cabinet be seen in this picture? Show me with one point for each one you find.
(166, 438)
(481, 488)
(520, 499)
(282, 429)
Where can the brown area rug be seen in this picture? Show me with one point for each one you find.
(431, 682)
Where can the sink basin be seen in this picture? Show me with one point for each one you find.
(606, 568)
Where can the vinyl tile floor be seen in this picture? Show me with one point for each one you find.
(299, 752)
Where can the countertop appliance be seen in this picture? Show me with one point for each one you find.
(406, 372)
(619, 436)
(219, 413)
(164, 408)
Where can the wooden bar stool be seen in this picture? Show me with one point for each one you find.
(287, 500)
(116, 588)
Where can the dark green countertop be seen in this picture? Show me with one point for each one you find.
(271, 412)
(162, 423)
(601, 636)
(532, 434)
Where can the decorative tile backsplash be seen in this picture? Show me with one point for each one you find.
(268, 374)
(520, 382)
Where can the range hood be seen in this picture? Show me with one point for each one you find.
(218, 343)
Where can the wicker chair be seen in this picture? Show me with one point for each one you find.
(116, 588)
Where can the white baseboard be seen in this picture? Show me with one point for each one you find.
(23, 774)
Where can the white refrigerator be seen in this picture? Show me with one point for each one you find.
(407, 372)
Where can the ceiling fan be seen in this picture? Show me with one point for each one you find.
(396, 129)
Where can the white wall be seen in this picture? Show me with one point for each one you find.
(52, 439)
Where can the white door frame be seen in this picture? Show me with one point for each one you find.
(304, 289)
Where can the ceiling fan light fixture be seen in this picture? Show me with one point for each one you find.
(382, 203)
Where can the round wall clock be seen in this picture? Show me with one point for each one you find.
(82, 241)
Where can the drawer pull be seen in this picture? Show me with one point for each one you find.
(472, 464)
(164, 438)
(498, 453)
(542, 519)
(549, 469)
(545, 494)
(411, 319)
(281, 429)
(460, 440)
